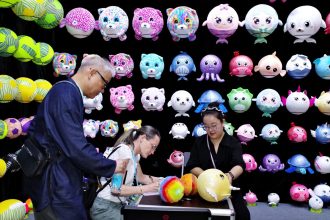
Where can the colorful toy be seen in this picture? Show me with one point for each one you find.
(299, 66)
(113, 23)
(25, 123)
(245, 133)
(322, 133)
(8, 89)
(250, 162)
(64, 64)
(299, 192)
(273, 199)
(151, 65)
(261, 21)
(299, 163)
(109, 128)
(297, 134)
(322, 102)
(240, 100)
(123, 64)
(94, 103)
(268, 101)
(240, 65)
(182, 22)
(14, 128)
(222, 21)
(79, 22)
(132, 125)
(181, 101)
(210, 66)
(208, 97)
(43, 87)
(3, 129)
(271, 163)
(27, 90)
(44, 54)
(179, 130)
(315, 203)
(122, 98)
(323, 191)
(270, 66)
(297, 102)
(250, 198)
(198, 130)
(53, 15)
(271, 133)
(182, 65)
(303, 22)
(327, 22)
(30, 10)
(26, 49)
(8, 3)
(322, 67)
(322, 164)
(213, 185)
(171, 189)
(8, 42)
(13, 209)
(229, 128)
(91, 127)
(176, 159)
(189, 182)
(147, 23)
(153, 99)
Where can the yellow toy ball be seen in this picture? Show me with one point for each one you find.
(53, 15)
(43, 86)
(26, 49)
(8, 89)
(8, 3)
(3, 168)
(44, 54)
(30, 10)
(12, 209)
(8, 42)
(27, 90)
(3, 129)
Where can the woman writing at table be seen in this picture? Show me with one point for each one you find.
(216, 149)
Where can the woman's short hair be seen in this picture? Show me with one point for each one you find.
(213, 109)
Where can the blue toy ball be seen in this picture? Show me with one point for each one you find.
(210, 96)
(322, 67)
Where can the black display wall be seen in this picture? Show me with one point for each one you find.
(242, 41)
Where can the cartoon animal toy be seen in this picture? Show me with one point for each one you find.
(182, 65)
(322, 164)
(272, 1)
(147, 23)
(240, 100)
(182, 22)
(151, 65)
(323, 102)
(327, 22)
(261, 21)
(251, 198)
(113, 23)
(297, 134)
(222, 21)
(153, 99)
(270, 66)
(176, 159)
(179, 130)
(268, 101)
(91, 127)
(64, 64)
(297, 102)
(79, 22)
(299, 163)
(271, 133)
(299, 192)
(109, 128)
(322, 67)
(299, 66)
(198, 130)
(122, 98)
(240, 65)
(229, 128)
(250, 162)
(323, 191)
(273, 199)
(210, 66)
(210, 96)
(303, 22)
(94, 103)
(123, 64)
(245, 133)
(271, 163)
(181, 101)
(315, 203)
(322, 133)
(132, 125)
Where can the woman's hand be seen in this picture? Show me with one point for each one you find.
(152, 187)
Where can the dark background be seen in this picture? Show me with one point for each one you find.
(260, 183)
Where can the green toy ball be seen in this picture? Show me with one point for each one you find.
(8, 89)
(3, 129)
(27, 90)
(53, 15)
(30, 10)
(26, 49)
(44, 54)
(8, 3)
(8, 42)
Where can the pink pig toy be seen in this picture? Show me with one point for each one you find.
(123, 64)
(147, 23)
(251, 198)
(297, 134)
(176, 159)
(250, 162)
(299, 192)
(240, 65)
(122, 98)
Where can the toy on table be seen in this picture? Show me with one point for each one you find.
(273, 199)
(250, 198)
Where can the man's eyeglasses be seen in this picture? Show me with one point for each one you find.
(105, 82)
(212, 127)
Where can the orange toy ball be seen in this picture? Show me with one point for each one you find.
(189, 181)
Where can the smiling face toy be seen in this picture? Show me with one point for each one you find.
(240, 65)
(297, 134)
(240, 99)
(210, 66)
(268, 101)
(270, 66)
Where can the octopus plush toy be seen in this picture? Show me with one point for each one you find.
(64, 64)
(271, 163)
(210, 66)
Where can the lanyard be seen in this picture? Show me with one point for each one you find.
(134, 165)
(208, 145)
